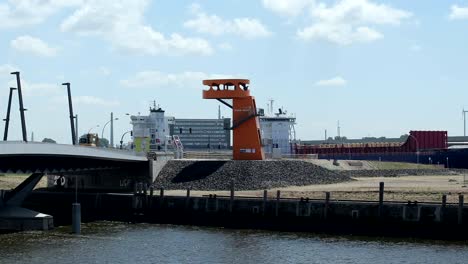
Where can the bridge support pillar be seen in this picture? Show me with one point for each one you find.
(15, 218)
(76, 218)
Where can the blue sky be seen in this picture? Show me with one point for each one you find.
(380, 67)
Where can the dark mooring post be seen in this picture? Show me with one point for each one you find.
(21, 106)
(381, 197)
(460, 209)
(231, 197)
(442, 208)
(7, 119)
(70, 108)
(327, 204)
(278, 197)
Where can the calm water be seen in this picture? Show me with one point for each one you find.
(106, 242)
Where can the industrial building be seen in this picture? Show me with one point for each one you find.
(151, 132)
(203, 133)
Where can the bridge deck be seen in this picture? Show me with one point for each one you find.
(17, 157)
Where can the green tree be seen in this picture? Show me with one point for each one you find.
(48, 140)
(103, 143)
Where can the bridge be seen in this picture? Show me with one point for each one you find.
(34, 157)
(69, 166)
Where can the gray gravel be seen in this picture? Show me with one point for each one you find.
(398, 172)
(247, 175)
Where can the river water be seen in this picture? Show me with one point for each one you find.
(110, 242)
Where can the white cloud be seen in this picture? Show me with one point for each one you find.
(287, 7)
(121, 22)
(457, 12)
(215, 25)
(157, 79)
(335, 81)
(343, 34)
(19, 13)
(225, 46)
(34, 46)
(6, 69)
(343, 22)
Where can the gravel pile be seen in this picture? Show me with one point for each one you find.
(247, 175)
(398, 172)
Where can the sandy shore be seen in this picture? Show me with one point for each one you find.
(404, 188)
(413, 188)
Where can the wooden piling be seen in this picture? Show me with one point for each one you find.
(327, 204)
(278, 197)
(231, 199)
(187, 199)
(460, 209)
(381, 198)
(265, 197)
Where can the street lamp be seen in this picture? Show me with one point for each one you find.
(89, 131)
(104, 127)
(121, 139)
(417, 148)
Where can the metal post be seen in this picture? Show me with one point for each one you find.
(327, 204)
(265, 197)
(70, 107)
(76, 130)
(76, 218)
(7, 119)
(460, 209)
(381, 197)
(444, 205)
(112, 131)
(21, 106)
(231, 199)
(278, 197)
(187, 199)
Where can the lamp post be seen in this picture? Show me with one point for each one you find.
(417, 148)
(104, 127)
(89, 131)
(76, 129)
(121, 139)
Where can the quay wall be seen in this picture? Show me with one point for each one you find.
(376, 218)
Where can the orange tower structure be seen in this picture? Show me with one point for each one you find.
(247, 141)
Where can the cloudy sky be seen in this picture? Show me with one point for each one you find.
(380, 67)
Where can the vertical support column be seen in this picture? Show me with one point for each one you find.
(265, 197)
(76, 218)
(187, 199)
(231, 198)
(70, 109)
(278, 197)
(21, 106)
(327, 204)
(151, 196)
(112, 131)
(442, 209)
(460, 209)
(7, 119)
(381, 197)
(77, 135)
(161, 198)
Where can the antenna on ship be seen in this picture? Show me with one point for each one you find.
(271, 106)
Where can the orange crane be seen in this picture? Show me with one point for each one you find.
(247, 141)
